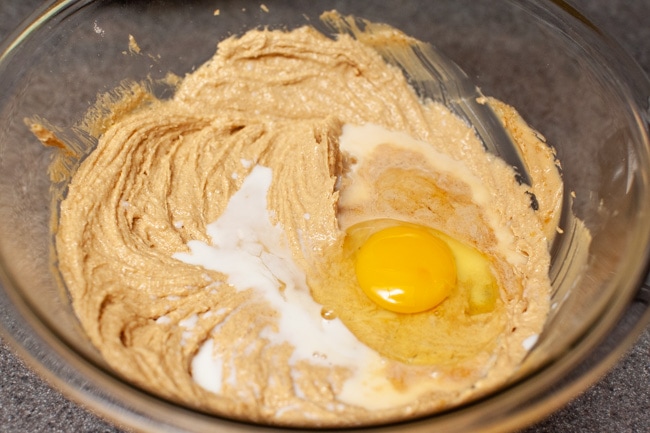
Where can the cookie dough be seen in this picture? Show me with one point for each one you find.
(201, 240)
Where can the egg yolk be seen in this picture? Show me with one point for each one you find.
(405, 269)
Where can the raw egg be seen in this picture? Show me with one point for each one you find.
(405, 269)
(409, 268)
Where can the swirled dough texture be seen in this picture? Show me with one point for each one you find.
(164, 169)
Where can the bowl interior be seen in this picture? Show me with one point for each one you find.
(533, 55)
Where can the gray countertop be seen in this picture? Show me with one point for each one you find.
(619, 402)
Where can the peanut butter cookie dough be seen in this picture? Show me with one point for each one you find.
(202, 241)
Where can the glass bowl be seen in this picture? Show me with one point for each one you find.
(565, 78)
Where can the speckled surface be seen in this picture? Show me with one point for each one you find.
(619, 402)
